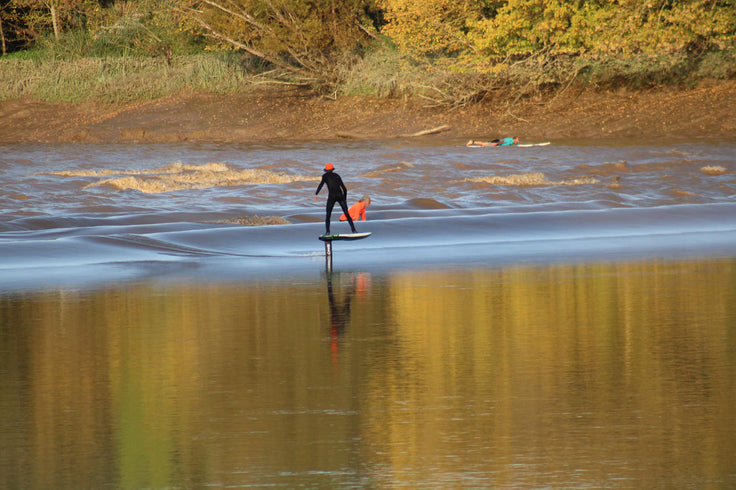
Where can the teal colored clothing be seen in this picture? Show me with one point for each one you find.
(506, 142)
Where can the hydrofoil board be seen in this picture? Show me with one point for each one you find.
(344, 236)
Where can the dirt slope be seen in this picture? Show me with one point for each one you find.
(707, 111)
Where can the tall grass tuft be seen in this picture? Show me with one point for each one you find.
(115, 80)
(386, 72)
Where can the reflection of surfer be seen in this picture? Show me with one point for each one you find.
(340, 310)
(357, 210)
(337, 193)
(339, 314)
(497, 142)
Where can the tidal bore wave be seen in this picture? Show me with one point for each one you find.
(219, 250)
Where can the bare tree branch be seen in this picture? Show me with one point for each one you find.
(307, 42)
(248, 49)
(242, 15)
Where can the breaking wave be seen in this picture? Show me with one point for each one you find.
(530, 179)
(177, 176)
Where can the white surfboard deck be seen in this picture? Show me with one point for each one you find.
(520, 145)
(344, 236)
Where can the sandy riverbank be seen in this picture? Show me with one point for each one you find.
(707, 111)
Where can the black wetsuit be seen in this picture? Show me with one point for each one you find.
(338, 193)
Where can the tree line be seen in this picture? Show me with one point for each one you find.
(318, 41)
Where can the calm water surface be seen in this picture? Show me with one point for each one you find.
(575, 330)
(587, 375)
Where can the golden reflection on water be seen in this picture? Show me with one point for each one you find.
(562, 375)
(617, 374)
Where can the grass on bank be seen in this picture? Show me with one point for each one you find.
(386, 73)
(383, 72)
(116, 80)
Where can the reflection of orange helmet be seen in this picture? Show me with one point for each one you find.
(362, 285)
(329, 166)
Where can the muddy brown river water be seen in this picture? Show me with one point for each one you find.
(562, 316)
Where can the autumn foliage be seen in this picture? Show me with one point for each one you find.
(469, 46)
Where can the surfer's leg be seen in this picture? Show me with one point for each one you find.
(344, 206)
(328, 214)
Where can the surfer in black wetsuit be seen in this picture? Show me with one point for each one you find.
(338, 193)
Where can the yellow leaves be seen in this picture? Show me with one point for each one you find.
(623, 32)
(428, 27)
(499, 68)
